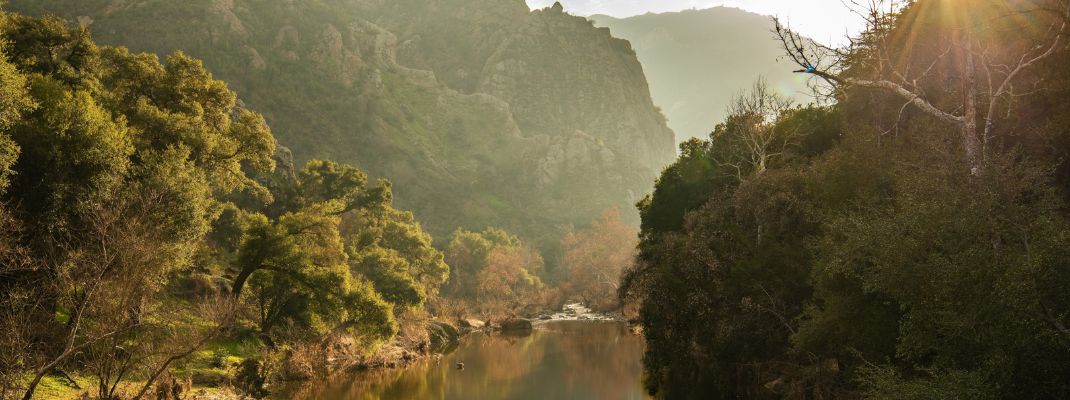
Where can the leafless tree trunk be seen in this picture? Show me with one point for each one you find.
(971, 143)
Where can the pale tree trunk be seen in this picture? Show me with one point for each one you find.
(970, 141)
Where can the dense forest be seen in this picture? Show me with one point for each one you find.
(162, 228)
(908, 240)
(151, 228)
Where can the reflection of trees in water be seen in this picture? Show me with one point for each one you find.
(561, 359)
(423, 379)
(509, 356)
(603, 363)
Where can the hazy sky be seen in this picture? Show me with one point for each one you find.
(823, 20)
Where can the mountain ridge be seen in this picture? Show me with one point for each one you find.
(697, 60)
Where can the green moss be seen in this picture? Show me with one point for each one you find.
(54, 387)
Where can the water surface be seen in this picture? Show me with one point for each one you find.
(558, 360)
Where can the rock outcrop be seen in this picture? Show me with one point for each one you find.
(441, 335)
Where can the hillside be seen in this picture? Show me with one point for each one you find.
(481, 112)
(697, 60)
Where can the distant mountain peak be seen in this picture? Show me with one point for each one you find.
(697, 60)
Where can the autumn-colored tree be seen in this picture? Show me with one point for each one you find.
(467, 255)
(595, 258)
(506, 287)
(493, 272)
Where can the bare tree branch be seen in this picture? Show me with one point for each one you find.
(870, 52)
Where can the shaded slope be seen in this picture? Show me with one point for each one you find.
(482, 112)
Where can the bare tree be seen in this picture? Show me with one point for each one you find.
(19, 304)
(79, 272)
(752, 126)
(871, 61)
(149, 351)
(220, 310)
(107, 274)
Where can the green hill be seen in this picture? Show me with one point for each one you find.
(481, 112)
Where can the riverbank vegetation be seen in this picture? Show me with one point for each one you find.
(495, 274)
(908, 241)
(153, 233)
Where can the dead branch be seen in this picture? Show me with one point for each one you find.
(828, 66)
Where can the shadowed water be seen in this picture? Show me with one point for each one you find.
(558, 360)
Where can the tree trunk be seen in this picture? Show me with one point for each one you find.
(970, 141)
(239, 282)
(167, 363)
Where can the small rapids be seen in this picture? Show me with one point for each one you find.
(578, 312)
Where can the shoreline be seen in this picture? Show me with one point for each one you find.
(371, 373)
(444, 337)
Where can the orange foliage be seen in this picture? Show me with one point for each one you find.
(595, 258)
(506, 287)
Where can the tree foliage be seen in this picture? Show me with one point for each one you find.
(873, 258)
(142, 216)
(594, 260)
(495, 273)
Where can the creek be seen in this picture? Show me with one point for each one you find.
(558, 359)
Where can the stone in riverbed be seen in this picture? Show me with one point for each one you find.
(516, 324)
(441, 334)
(472, 323)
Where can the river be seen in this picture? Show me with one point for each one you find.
(557, 360)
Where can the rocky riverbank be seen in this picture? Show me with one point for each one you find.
(338, 356)
(292, 369)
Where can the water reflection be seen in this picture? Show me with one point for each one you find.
(559, 360)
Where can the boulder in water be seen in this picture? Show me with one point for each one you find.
(516, 324)
(441, 334)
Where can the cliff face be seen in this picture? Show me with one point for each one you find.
(480, 111)
(697, 60)
(556, 70)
